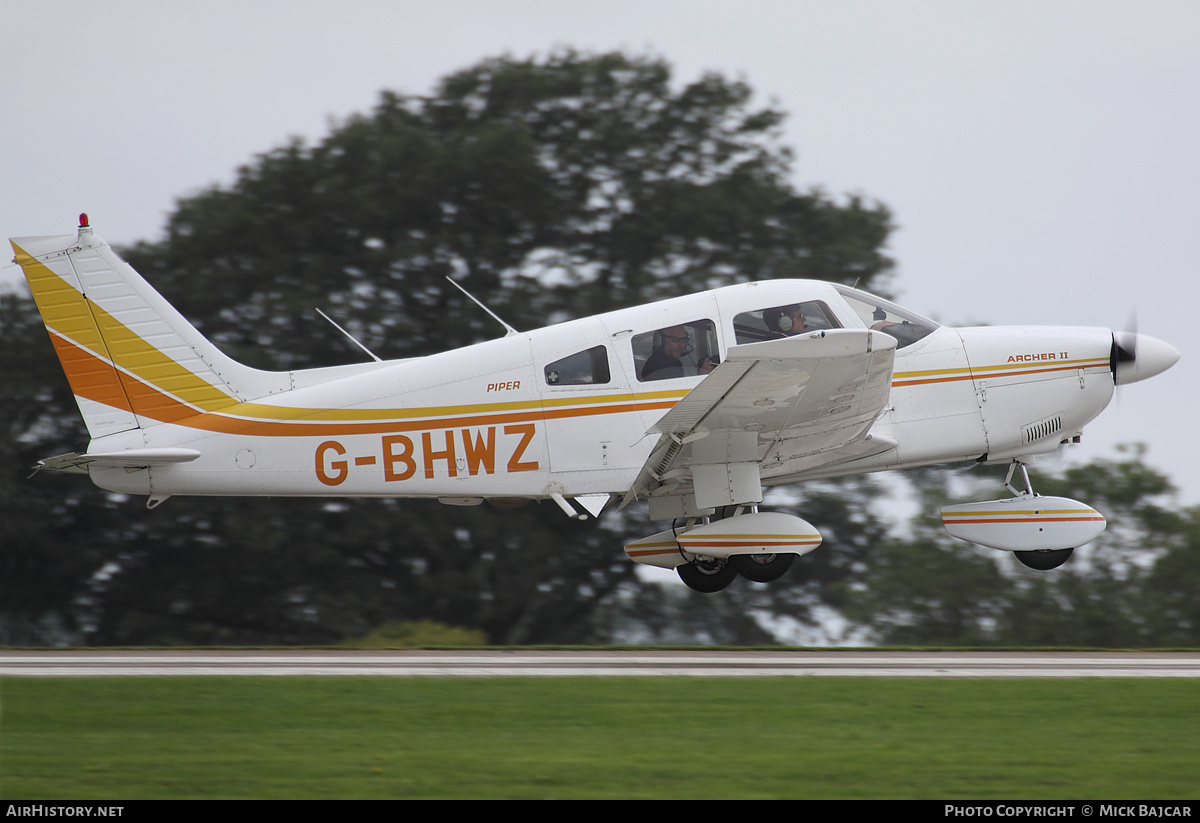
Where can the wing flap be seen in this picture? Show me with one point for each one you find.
(770, 404)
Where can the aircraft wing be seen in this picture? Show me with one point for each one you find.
(769, 404)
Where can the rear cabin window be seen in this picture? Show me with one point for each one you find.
(585, 368)
(684, 350)
(778, 322)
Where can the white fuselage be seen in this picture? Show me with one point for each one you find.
(693, 404)
(514, 418)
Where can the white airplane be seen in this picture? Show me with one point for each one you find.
(693, 404)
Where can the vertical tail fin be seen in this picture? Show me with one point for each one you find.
(131, 359)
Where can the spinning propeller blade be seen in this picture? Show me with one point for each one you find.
(1135, 357)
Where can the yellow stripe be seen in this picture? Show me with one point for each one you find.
(1023, 522)
(687, 536)
(1016, 514)
(270, 412)
(1047, 364)
(90, 327)
(914, 378)
(65, 310)
(907, 375)
(87, 325)
(281, 422)
(137, 357)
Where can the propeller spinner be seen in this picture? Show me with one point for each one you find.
(1137, 357)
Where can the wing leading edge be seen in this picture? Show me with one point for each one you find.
(769, 408)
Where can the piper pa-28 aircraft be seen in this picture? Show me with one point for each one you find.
(692, 404)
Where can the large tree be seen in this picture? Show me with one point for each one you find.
(551, 188)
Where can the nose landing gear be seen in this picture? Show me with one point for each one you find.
(1046, 559)
(1042, 532)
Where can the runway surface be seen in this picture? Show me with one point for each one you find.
(598, 664)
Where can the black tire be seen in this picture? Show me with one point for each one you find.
(707, 576)
(1044, 560)
(762, 568)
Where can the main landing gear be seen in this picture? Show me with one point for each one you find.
(759, 546)
(762, 568)
(710, 554)
(707, 574)
(712, 574)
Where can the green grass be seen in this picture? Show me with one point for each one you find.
(803, 737)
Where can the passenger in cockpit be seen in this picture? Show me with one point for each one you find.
(785, 321)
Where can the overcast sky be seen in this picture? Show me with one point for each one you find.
(1042, 158)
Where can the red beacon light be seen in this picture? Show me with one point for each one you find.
(83, 220)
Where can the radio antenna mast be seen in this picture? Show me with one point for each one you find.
(511, 330)
(350, 336)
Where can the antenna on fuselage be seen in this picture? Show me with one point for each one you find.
(511, 330)
(350, 336)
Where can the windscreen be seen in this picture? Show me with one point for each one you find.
(883, 315)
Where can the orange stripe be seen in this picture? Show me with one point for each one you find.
(231, 425)
(903, 383)
(649, 552)
(749, 538)
(1054, 365)
(918, 378)
(1034, 371)
(90, 377)
(154, 404)
(152, 380)
(1027, 520)
(1017, 512)
(86, 325)
(727, 544)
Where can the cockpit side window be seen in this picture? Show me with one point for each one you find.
(783, 321)
(882, 315)
(683, 350)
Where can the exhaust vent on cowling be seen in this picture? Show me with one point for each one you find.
(1042, 428)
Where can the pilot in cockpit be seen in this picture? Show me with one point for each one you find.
(905, 332)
